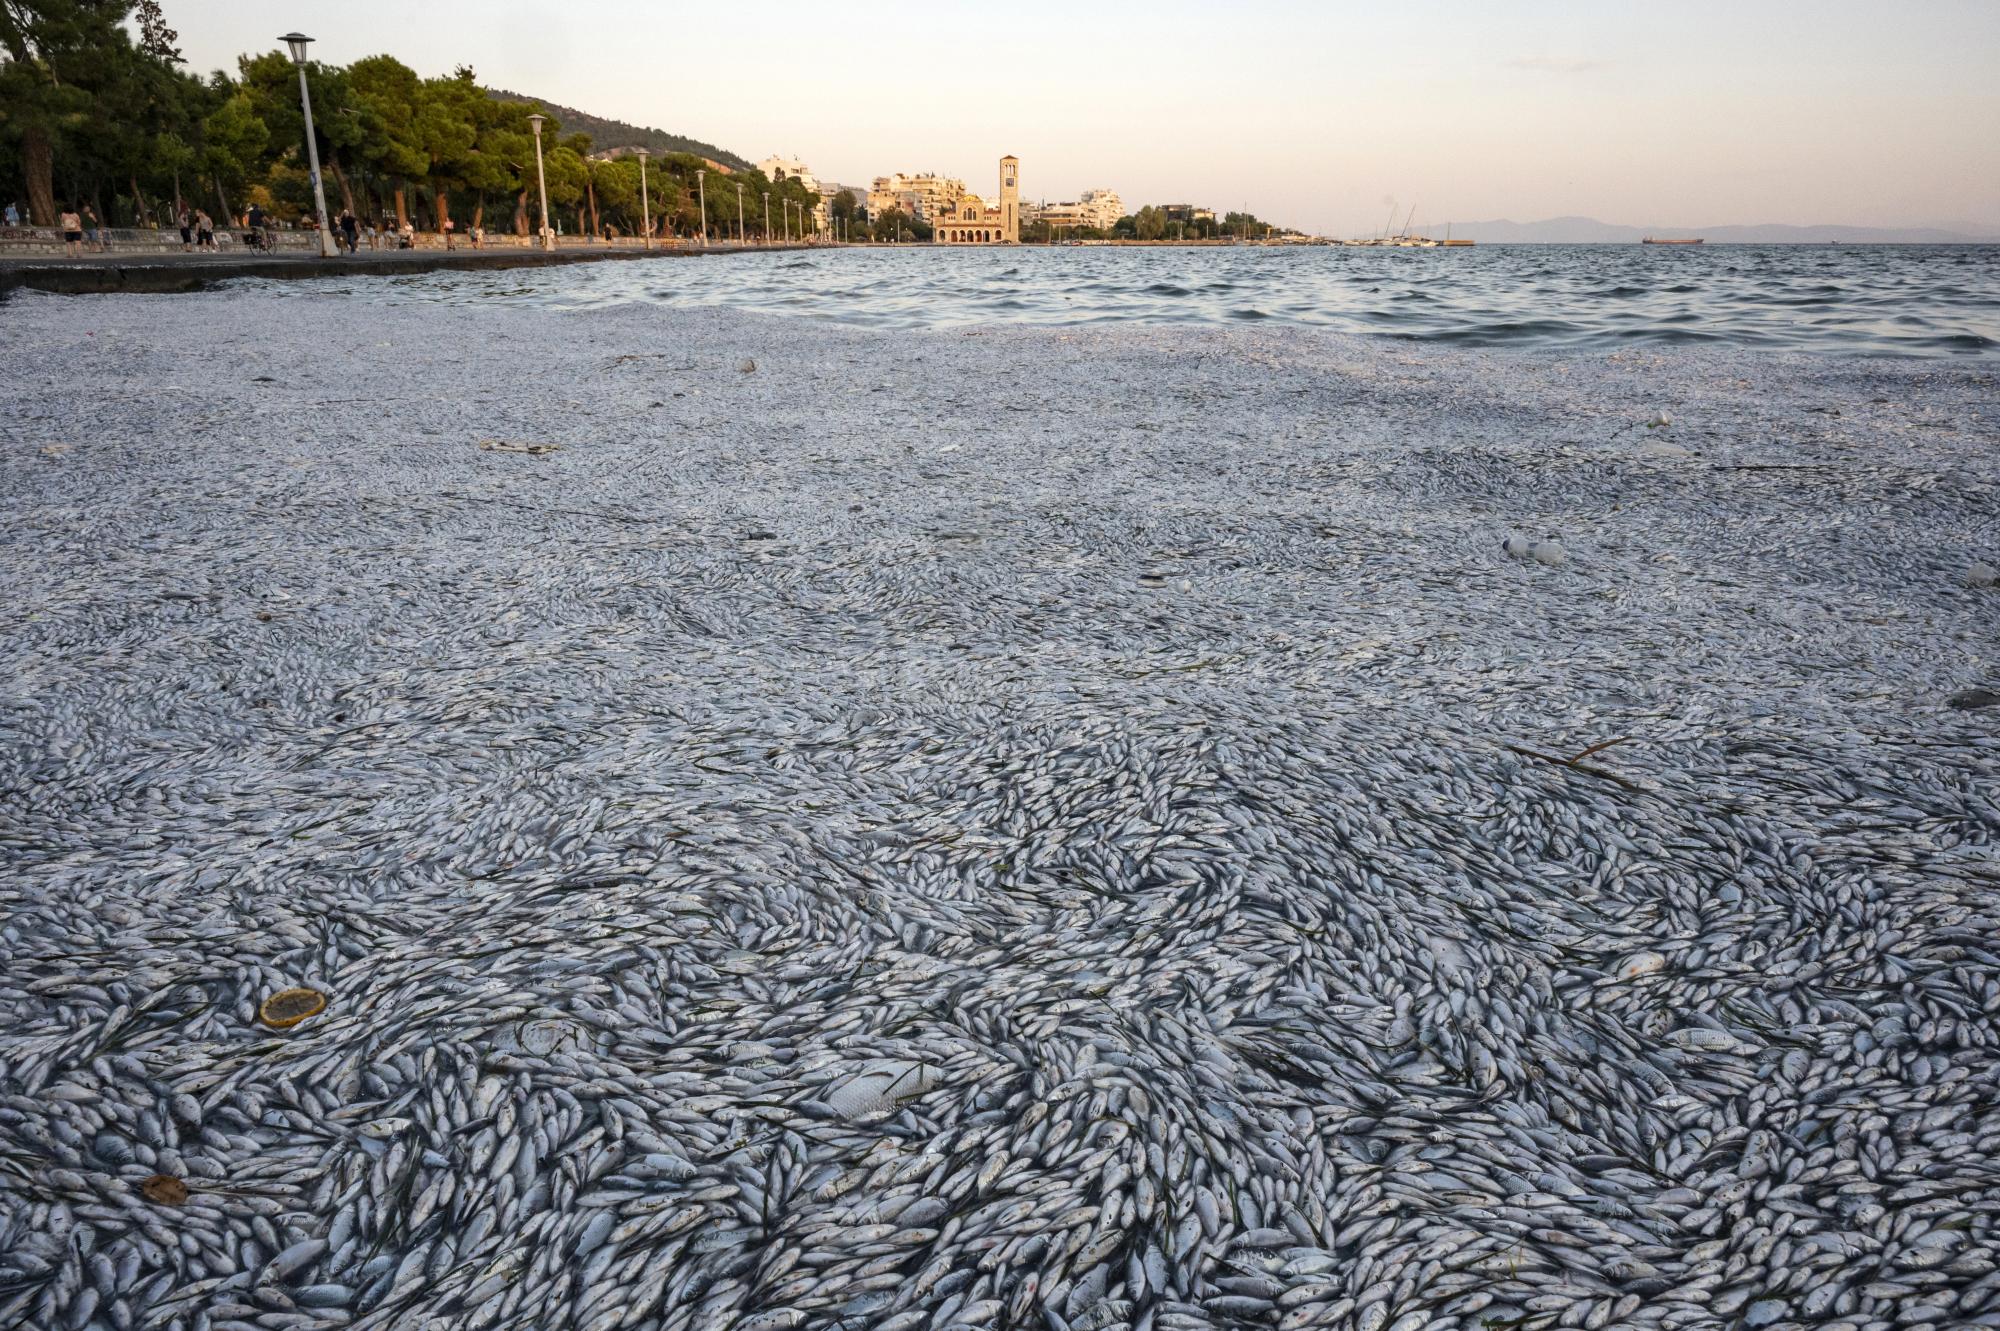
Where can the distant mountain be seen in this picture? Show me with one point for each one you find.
(606, 134)
(1590, 231)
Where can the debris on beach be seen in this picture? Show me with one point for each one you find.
(1981, 574)
(1663, 448)
(288, 1007)
(534, 447)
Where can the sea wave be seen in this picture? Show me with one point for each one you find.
(1874, 300)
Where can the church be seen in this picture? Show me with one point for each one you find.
(971, 222)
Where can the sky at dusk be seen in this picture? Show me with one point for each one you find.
(1668, 112)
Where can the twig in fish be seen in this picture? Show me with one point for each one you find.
(1586, 768)
(1596, 748)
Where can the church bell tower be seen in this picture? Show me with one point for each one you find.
(1010, 200)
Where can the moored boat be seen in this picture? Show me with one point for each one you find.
(1664, 240)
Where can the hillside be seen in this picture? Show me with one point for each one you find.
(1588, 231)
(617, 134)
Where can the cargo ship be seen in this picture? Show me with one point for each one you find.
(1653, 240)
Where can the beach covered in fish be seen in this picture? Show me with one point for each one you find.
(779, 825)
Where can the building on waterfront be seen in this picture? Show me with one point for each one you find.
(928, 196)
(972, 222)
(780, 169)
(1187, 212)
(789, 168)
(1098, 209)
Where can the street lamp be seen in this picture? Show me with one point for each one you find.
(645, 206)
(767, 217)
(298, 42)
(541, 181)
(701, 188)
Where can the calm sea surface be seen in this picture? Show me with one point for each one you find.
(1874, 299)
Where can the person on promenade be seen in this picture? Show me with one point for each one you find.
(186, 224)
(350, 230)
(445, 230)
(72, 229)
(13, 215)
(204, 230)
(478, 237)
(256, 222)
(89, 228)
(409, 237)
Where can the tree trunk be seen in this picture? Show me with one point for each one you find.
(443, 207)
(38, 167)
(223, 220)
(479, 213)
(340, 179)
(177, 195)
(590, 191)
(521, 213)
(138, 203)
(402, 210)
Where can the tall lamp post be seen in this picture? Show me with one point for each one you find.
(767, 217)
(298, 42)
(541, 181)
(739, 213)
(701, 188)
(645, 206)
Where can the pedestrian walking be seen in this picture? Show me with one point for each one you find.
(186, 224)
(13, 215)
(72, 229)
(478, 236)
(89, 228)
(446, 227)
(350, 230)
(204, 230)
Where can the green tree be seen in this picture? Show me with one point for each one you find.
(233, 143)
(62, 57)
(272, 82)
(446, 130)
(502, 160)
(385, 92)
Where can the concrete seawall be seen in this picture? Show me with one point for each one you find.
(164, 273)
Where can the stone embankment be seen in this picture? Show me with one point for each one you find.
(158, 270)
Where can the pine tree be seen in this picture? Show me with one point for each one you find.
(156, 39)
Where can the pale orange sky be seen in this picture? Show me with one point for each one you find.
(1669, 112)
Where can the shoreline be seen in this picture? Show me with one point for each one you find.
(1078, 826)
(168, 273)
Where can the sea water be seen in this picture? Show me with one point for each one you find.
(1870, 299)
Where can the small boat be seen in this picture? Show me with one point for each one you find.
(1655, 240)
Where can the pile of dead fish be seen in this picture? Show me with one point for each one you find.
(825, 848)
